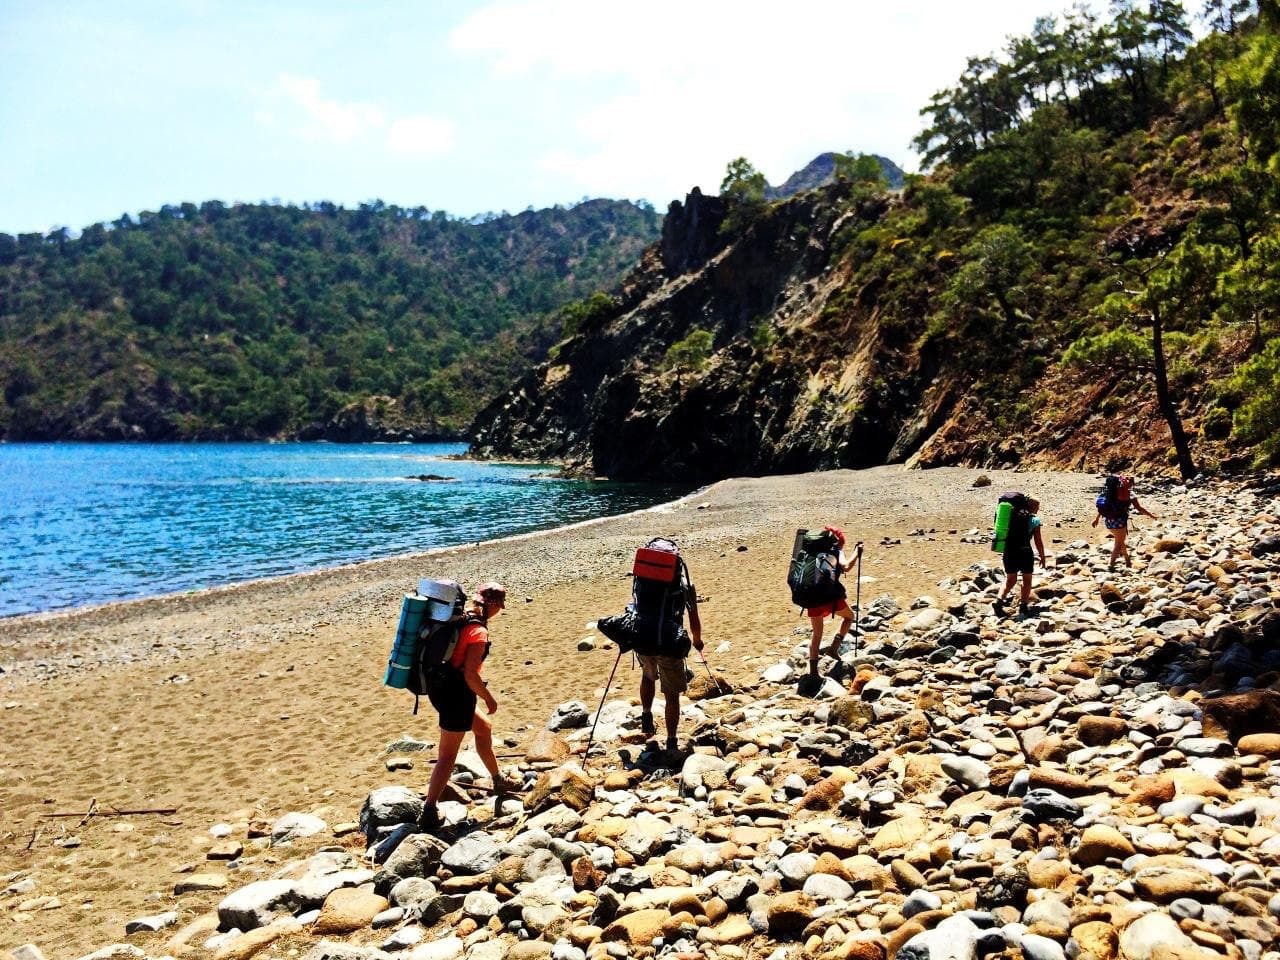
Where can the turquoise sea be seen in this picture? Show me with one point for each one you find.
(90, 523)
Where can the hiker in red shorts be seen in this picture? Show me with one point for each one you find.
(838, 607)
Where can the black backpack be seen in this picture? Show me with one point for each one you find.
(814, 574)
(436, 643)
(1018, 536)
(658, 603)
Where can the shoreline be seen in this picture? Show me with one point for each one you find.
(201, 593)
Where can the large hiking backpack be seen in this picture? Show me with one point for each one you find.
(1012, 527)
(1117, 493)
(814, 574)
(660, 590)
(420, 657)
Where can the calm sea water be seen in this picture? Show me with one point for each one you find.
(90, 523)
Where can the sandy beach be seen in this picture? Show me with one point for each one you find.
(248, 702)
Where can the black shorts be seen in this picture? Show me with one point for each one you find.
(1019, 561)
(454, 701)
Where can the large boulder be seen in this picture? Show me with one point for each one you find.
(1239, 714)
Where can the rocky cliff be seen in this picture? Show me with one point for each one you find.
(788, 385)
(826, 347)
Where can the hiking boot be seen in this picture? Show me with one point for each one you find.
(429, 819)
(1024, 610)
(646, 724)
(834, 649)
(503, 785)
(673, 745)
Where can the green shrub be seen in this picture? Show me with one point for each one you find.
(1216, 424)
(1257, 419)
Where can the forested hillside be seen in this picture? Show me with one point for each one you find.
(1089, 277)
(255, 321)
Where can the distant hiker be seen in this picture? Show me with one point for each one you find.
(1022, 531)
(661, 592)
(1113, 506)
(814, 577)
(454, 689)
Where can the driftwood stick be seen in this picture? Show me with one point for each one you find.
(88, 813)
(35, 835)
(111, 813)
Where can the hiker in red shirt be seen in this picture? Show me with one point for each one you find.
(455, 696)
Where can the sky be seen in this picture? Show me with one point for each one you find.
(468, 107)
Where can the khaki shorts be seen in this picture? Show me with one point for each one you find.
(667, 672)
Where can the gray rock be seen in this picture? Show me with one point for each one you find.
(1185, 908)
(796, 867)
(540, 864)
(330, 950)
(571, 715)
(446, 948)
(312, 890)
(474, 853)
(1206, 747)
(525, 842)
(920, 901)
(403, 938)
(152, 923)
(955, 938)
(967, 771)
(557, 821)
(407, 744)
(1043, 804)
(293, 826)
(28, 951)
(825, 886)
(417, 856)
(415, 895)
(1035, 947)
(698, 765)
(386, 807)
(1149, 931)
(389, 918)
(255, 905)
(480, 906)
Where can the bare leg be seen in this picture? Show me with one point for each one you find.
(1009, 579)
(1026, 589)
(647, 688)
(846, 624)
(483, 731)
(447, 754)
(815, 644)
(672, 715)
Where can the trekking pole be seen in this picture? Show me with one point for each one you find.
(857, 602)
(711, 676)
(591, 737)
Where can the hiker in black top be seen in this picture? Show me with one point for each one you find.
(1024, 530)
(454, 696)
(667, 671)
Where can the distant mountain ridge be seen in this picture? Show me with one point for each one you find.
(262, 321)
(821, 170)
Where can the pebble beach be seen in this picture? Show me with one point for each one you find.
(1076, 783)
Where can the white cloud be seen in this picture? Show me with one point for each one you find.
(420, 136)
(328, 120)
(693, 85)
